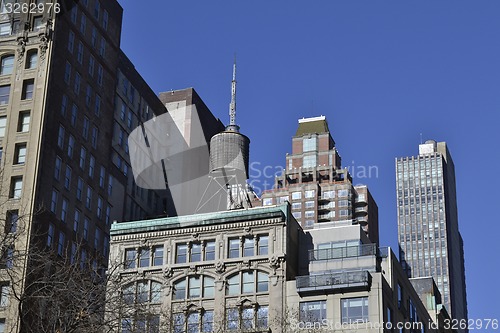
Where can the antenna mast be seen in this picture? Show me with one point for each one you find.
(232, 106)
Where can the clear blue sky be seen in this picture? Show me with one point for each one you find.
(381, 71)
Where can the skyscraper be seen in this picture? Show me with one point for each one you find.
(316, 185)
(68, 99)
(429, 238)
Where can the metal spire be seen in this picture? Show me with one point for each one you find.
(232, 105)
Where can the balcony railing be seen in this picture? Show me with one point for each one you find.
(332, 281)
(343, 252)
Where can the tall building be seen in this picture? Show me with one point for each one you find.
(317, 187)
(68, 99)
(429, 238)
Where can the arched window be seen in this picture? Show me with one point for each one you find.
(144, 291)
(247, 282)
(31, 59)
(7, 64)
(194, 287)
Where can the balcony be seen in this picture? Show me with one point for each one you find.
(343, 252)
(360, 280)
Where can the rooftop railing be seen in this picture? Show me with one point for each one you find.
(347, 252)
(329, 281)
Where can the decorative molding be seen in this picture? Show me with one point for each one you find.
(220, 267)
(202, 229)
(168, 272)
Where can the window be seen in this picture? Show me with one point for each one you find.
(343, 193)
(88, 201)
(108, 214)
(129, 119)
(16, 186)
(71, 146)
(76, 86)
(344, 203)
(102, 175)
(4, 94)
(64, 105)
(74, 114)
(309, 161)
(91, 166)
(142, 292)
(296, 195)
(248, 247)
(86, 228)
(7, 259)
(91, 65)
(312, 312)
(234, 248)
(38, 23)
(94, 37)
(328, 195)
(309, 144)
(60, 243)
(11, 221)
(3, 124)
(23, 124)
(99, 75)
(83, 23)
(354, 310)
(76, 220)
(95, 135)
(20, 153)
(210, 250)
(102, 48)
(5, 29)
(344, 212)
(105, 18)
(194, 287)
(193, 322)
(97, 105)
(50, 235)
(86, 125)
(99, 206)
(400, 295)
(263, 245)
(110, 185)
(71, 41)
(83, 156)
(60, 136)
(7, 65)
(144, 256)
(267, 201)
(243, 319)
(79, 189)
(67, 73)
(247, 282)
(310, 194)
(79, 55)
(157, 255)
(181, 253)
(195, 254)
(4, 295)
(130, 258)
(88, 95)
(97, 9)
(64, 209)
(97, 238)
(53, 201)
